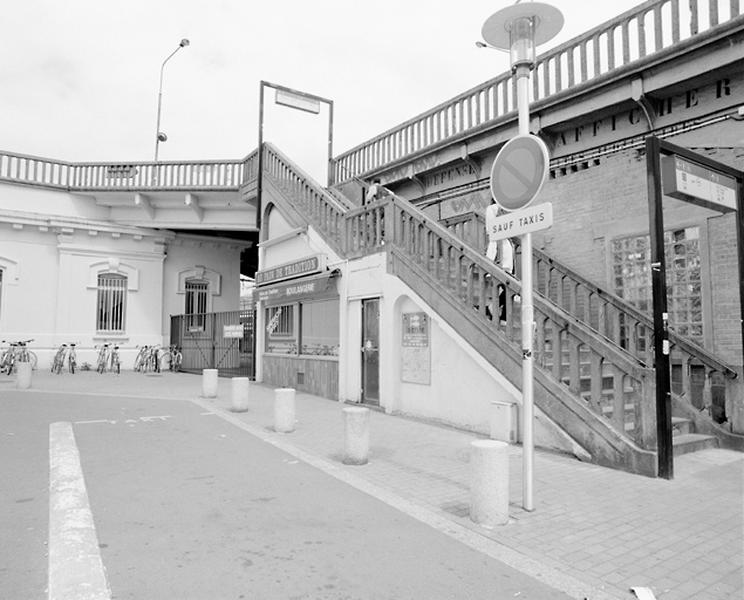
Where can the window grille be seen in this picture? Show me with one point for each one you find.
(112, 295)
(196, 303)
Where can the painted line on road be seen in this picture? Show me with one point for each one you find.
(76, 570)
(504, 554)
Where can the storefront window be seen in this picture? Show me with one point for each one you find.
(320, 333)
(309, 328)
(281, 333)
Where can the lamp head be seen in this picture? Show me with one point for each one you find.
(184, 43)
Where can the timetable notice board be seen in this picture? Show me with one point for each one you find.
(416, 349)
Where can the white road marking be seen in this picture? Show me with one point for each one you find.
(127, 421)
(75, 566)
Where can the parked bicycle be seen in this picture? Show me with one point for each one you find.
(103, 358)
(16, 352)
(148, 359)
(173, 357)
(71, 358)
(114, 362)
(59, 359)
(66, 352)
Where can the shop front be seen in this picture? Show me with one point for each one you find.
(301, 337)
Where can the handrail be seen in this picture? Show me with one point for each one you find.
(642, 32)
(608, 314)
(139, 175)
(566, 350)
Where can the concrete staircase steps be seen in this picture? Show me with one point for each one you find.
(692, 442)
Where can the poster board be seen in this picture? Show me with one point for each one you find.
(415, 348)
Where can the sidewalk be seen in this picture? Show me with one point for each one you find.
(595, 532)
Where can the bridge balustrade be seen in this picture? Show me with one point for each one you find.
(144, 176)
(644, 32)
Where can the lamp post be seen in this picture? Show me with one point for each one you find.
(159, 135)
(518, 29)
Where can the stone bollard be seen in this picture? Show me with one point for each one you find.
(284, 410)
(489, 482)
(209, 383)
(240, 387)
(23, 375)
(356, 435)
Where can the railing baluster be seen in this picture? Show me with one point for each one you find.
(618, 399)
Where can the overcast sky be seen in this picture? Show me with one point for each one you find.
(79, 78)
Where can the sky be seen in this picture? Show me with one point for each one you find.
(79, 79)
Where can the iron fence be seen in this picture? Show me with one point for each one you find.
(217, 340)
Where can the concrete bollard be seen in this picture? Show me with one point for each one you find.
(356, 435)
(489, 482)
(209, 383)
(240, 388)
(284, 410)
(23, 375)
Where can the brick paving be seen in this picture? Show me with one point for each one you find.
(610, 530)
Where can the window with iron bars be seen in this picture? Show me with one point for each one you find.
(111, 304)
(196, 303)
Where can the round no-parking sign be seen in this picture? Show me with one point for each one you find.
(519, 171)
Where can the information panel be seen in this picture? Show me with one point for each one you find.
(415, 349)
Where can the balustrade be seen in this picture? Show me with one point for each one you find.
(44, 172)
(614, 318)
(186, 175)
(646, 30)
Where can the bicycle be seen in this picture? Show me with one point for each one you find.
(59, 359)
(103, 358)
(71, 359)
(115, 363)
(174, 357)
(139, 360)
(17, 352)
(152, 359)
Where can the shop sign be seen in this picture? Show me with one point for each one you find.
(292, 291)
(232, 331)
(306, 266)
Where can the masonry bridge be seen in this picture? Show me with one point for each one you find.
(666, 67)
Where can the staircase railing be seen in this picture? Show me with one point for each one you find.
(26, 169)
(612, 384)
(647, 32)
(611, 316)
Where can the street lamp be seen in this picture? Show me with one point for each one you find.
(159, 135)
(518, 29)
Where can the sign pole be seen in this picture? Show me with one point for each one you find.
(519, 29)
(661, 318)
(528, 444)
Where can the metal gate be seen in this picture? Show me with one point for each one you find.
(218, 340)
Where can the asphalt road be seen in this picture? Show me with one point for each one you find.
(188, 506)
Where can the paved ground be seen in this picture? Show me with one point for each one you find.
(595, 532)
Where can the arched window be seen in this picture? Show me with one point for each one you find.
(112, 303)
(197, 291)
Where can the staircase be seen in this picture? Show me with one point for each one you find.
(588, 377)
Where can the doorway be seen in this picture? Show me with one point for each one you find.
(371, 351)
